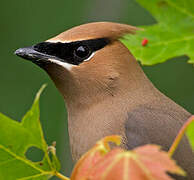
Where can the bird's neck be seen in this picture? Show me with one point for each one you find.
(98, 105)
(89, 124)
(92, 116)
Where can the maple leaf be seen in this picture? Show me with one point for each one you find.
(94, 155)
(172, 36)
(190, 131)
(16, 138)
(188, 128)
(146, 162)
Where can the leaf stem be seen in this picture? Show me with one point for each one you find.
(61, 176)
(179, 136)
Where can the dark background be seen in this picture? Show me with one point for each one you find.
(26, 22)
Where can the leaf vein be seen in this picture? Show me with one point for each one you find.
(20, 158)
(181, 9)
(5, 162)
(36, 175)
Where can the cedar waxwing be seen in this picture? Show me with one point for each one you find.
(106, 92)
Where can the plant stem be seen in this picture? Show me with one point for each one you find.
(60, 176)
(179, 136)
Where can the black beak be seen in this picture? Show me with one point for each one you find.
(31, 54)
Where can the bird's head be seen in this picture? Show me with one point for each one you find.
(86, 61)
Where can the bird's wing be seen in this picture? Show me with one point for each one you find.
(159, 125)
(146, 124)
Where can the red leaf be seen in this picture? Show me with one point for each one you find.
(143, 163)
(93, 156)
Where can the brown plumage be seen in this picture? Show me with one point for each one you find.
(108, 93)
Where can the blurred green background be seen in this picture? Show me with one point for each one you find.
(26, 22)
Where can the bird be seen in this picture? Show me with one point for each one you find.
(106, 91)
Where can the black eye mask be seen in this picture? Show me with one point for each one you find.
(74, 52)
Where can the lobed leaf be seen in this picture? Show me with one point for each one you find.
(15, 139)
(190, 132)
(145, 162)
(172, 36)
(94, 155)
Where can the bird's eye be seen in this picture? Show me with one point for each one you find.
(82, 52)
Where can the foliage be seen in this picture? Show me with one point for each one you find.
(16, 138)
(172, 36)
(190, 131)
(99, 162)
(102, 163)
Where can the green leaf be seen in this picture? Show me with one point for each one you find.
(15, 139)
(172, 36)
(190, 132)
